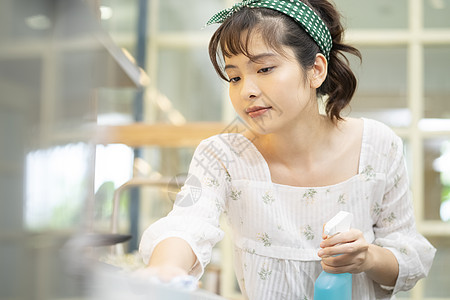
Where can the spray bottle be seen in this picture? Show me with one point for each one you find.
(335, 286)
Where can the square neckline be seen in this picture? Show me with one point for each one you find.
(344, 182)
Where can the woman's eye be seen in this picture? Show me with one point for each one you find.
(234, 79)
(265, 70)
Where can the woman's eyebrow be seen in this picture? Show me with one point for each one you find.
(261, 56)
(230, 67)
(253, 59)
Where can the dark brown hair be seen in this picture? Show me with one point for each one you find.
(278, 29)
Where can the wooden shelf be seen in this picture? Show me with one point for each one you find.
(163, 135)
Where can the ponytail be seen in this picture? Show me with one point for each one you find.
(341, 83)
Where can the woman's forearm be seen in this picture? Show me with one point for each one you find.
(173, 252)
(383, 267)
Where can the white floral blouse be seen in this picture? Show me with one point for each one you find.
(277, 228)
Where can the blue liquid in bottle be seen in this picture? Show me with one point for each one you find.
(330, 286)
(333, 286)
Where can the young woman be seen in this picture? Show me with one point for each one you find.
(293, 168)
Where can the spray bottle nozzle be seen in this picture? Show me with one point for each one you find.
(339, 223)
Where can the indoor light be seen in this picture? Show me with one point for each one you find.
(106, 12)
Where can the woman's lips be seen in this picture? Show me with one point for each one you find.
(256, 111)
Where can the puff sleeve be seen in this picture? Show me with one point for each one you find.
(395, 226)
(197, 208)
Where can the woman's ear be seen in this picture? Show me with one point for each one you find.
(319, 71)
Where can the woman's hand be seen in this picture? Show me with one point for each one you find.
(171, 258)
(345, 252)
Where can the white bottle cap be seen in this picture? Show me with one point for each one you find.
(339, 223)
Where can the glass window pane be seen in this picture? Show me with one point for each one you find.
(382, 85)
(23, 20)
(57, 186)
(436, 283)
(115, 106)
(437, 82)
(408, 159)
(437, 179)
(369, 14)
(119, 17)
(436, 13)
(192, 15)
(188, 80)
(76, 80)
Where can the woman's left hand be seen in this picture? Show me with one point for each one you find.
(345, 252)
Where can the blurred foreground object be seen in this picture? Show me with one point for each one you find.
(53, 56)
(100, 280)
(119, 285)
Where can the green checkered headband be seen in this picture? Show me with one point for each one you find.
(295, 9)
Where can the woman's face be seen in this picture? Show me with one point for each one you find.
(270, 92)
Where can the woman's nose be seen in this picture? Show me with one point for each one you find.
(249, 89)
